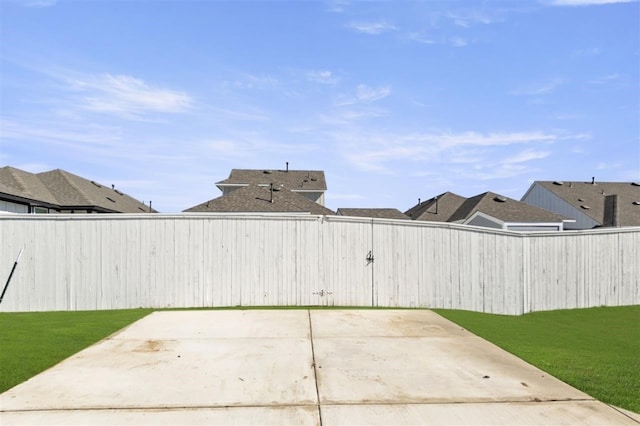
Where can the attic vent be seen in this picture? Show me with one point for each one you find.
(636, 203)
(96, 184)
(580, 199)
(119, 193)
(313, 179)
(583, 206)
(499, 199)
(635, 183)
(111, 199)
(267, 172)
(558, 182)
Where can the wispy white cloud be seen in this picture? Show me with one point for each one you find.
(58, 134)
(127, 96)
(245, 147)
(459, 41)
(449, 140)
(371, 28)
(323, 77)
(365, 95)
(585, 2)
(466, 19)
(420, 38)
(538, 90)
(525, 156)
(252, 81)
(350, 116)
(592, 51)
(372, 152)
(369, 94)
(606, 79)
(608, 166)
(338, 6)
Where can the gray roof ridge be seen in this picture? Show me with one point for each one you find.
(71, 181)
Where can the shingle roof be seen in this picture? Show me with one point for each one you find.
(295, 180)
(65, 190)
(504, 209)
(74, 191)
(450, 207)
(255, 198)
(598, 197)
(25, 185)
(436, 209)
(381, 213)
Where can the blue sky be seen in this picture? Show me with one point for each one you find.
(395, 101)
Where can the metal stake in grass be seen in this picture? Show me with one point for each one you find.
(11, 275)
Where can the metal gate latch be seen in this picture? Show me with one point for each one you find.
(369, 257)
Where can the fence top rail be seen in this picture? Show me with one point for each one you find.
(13, 217)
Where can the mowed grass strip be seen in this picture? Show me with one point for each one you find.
(31, 342)
(596, 350)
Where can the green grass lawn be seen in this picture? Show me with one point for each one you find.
(596, 350)
(34, 341)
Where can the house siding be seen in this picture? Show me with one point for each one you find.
(541, 197)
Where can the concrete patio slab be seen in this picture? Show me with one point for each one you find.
(318, 367)
(512, 413)
(445, 364)
(255, 416)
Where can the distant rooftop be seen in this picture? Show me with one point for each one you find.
(63, 190)
(255, 198)
(294, 180)
(608, 203)
(380, 213)
(436, 209)
(450, 207)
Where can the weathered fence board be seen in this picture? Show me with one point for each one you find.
(87, 262)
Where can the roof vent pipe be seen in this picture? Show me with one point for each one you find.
(593, 180)
(271, 192)
(418, 201)
(287, 170)
(436, 204)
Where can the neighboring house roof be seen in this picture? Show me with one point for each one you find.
(66, 191)
(381, 213)
(504, 209)
(436, 209)
(24, 185)
(256, 199)
(294, 180)
(450, 207)
(607, 203)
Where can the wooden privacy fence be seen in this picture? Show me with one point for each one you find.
(87, 262)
